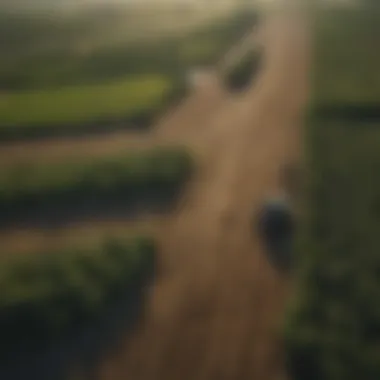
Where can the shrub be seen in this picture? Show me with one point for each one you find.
(242, 75)
(346, 73)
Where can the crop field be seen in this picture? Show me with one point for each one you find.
(88, 29)
(30, 189)
(79, 232)
(347, 58)
(49, 89)
(242, 75)
(333, 325)
(335, 322)
(85, 103)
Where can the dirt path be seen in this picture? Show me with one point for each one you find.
(217, 304)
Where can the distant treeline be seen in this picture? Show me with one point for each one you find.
(244, 73)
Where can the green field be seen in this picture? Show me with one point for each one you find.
(347, 58)
(122, 99)
(333, 323)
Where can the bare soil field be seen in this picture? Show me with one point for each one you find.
(217, 305)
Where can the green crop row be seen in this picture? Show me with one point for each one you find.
(128, 103)
(127, 178)
(47, 296)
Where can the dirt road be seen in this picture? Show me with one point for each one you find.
(217, 305)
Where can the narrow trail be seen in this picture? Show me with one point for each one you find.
(217, 305)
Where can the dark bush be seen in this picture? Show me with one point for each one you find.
(243, 74)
